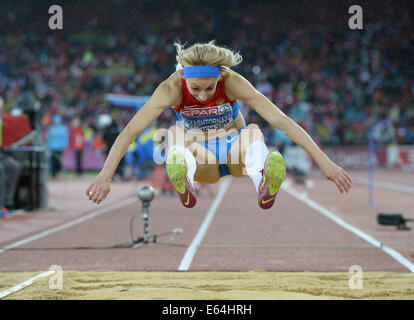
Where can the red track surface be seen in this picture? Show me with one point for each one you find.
(289, 237)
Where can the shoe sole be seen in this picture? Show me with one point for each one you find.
(275, 171)
(177, 170)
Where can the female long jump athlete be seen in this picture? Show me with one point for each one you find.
(212, 139)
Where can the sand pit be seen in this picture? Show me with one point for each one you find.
(253, 285)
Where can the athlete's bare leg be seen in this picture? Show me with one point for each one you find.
(237, 153)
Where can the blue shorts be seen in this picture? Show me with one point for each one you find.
(220, 147)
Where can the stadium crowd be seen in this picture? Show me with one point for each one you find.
(334, 81)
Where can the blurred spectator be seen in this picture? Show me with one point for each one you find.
(77, 143)
(98, 143)
(88, 134)
(57, 139)
(9, 174)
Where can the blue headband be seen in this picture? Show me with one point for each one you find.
(201, 71)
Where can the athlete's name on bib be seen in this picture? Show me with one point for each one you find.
(194, 111)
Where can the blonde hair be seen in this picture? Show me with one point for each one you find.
(206, 54)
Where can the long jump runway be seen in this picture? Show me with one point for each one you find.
(224, 232)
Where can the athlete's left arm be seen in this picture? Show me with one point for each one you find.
(240, 88)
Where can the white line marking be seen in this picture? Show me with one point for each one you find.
(191, 250)
(385, 185)
(396, 255)
(71, 223)
(24, 284)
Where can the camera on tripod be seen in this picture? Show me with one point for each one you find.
(146, 195)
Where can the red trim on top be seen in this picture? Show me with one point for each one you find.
(188, 100)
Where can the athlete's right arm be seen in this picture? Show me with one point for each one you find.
(165, 96)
